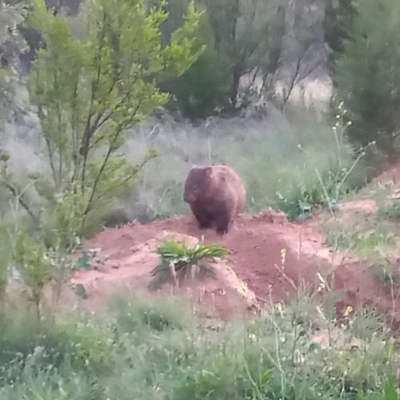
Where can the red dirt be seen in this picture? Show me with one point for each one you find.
(391, 176)
(255, 244)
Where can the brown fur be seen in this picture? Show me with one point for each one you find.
(216, 195)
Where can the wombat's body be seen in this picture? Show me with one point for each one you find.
(216, 195)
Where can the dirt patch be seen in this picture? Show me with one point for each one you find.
(391, 176)
(127, 263)
(267, 254)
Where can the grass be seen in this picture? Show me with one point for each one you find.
(368, 235)
(180, 261)
(158, 350)
(256, 150)
(361, 239)
(386, 273)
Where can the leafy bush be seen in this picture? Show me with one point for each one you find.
(368, 75)
(203, 89)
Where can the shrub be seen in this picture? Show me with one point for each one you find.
(368, 75)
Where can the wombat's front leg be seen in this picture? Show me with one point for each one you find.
(204, 220)
(222, 221)
(204, 224)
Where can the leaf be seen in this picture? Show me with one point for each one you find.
(185, 260)
(390, 389)
(80, 291)
(84, 262)
(267, 376)
(360, 394)
(313, 346)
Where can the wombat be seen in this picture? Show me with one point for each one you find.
(216, 195)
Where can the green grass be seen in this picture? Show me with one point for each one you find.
(281, 160)
(158, 350)
(180, 261)
(286, 162)
(367, 235)
(361, 239)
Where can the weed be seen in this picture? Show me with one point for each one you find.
(157, 349)
(386, 273)
(390, 212)
(180, 261)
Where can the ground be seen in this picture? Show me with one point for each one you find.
(269, 258)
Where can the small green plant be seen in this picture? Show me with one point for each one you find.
(328, 186)
(178, 261)
(385, 273)
(34, 265)
(390, 212)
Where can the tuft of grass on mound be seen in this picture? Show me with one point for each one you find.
(157, 350)
(180, 261)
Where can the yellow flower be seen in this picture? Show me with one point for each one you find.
(279, 307)
(321, 287)
(242, 288)
(252, 337)
(348, 310)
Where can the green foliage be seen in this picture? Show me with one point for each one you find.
(241, 37)
(159, 354)
(4, 264)
(248, 35)
(87, 91)
(33, 264)
(29, 346)
(178, 260)
(136, 315)
(328, 187)
(12, 14)
(203, 88)
(368, 75)
(390, 211)
(338, 24)
(255, 149)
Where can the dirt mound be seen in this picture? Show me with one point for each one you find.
(267, 254)
(128, 261)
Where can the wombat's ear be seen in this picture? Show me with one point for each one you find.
(208, 171)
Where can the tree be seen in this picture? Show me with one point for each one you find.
(88, 90)
(203, 87)
(245, 35)
(338, 25)
(12, 14)
(368, 75)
